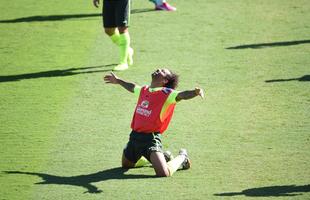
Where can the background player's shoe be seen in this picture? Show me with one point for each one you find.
(165, 6)
(187, 163)
(121, 67)
(130, 56)
(168, 156)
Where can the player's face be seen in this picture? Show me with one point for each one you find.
(161, 74)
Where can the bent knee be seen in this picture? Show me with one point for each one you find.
(109, 31)
(127, 164)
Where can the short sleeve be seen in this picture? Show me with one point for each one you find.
(137, 90)
(172, 97)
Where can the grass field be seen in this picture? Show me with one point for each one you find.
(62, 130)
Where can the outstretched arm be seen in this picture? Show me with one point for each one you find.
(189, 94)
(112, 78)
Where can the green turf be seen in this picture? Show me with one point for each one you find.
(62, 127)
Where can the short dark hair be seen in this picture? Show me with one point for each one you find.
(173, 80)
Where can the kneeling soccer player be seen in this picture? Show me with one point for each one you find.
(151, 118)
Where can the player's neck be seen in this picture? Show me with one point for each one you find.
(156, 85)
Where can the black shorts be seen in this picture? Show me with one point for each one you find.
(142, 144)
(116, 13)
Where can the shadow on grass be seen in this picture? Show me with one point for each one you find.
(142, 10)
(46, 18)
(272, 191)
(84, 181)
(273, 44)
(55, 73)
(303, 79)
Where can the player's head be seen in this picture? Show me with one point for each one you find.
(165, 78)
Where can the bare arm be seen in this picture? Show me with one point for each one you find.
(189, 94)
(112, 78)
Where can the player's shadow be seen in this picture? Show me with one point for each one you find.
(302, 79)
(271, 191)
(84, 181)
(142, 10)
(44, 18)
(272, 44)
(56, 73)
(47, 18)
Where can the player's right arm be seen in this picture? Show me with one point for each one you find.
(112, 78)
(189, 94)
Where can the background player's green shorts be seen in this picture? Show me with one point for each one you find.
(142, 144)
(116, 13)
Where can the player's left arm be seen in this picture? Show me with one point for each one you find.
(189, 94)
(112, 78)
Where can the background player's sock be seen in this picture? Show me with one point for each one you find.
(130, 56)
(124, 43)
(115, 38)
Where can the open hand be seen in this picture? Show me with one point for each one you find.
(200, 92)
(111, 78)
